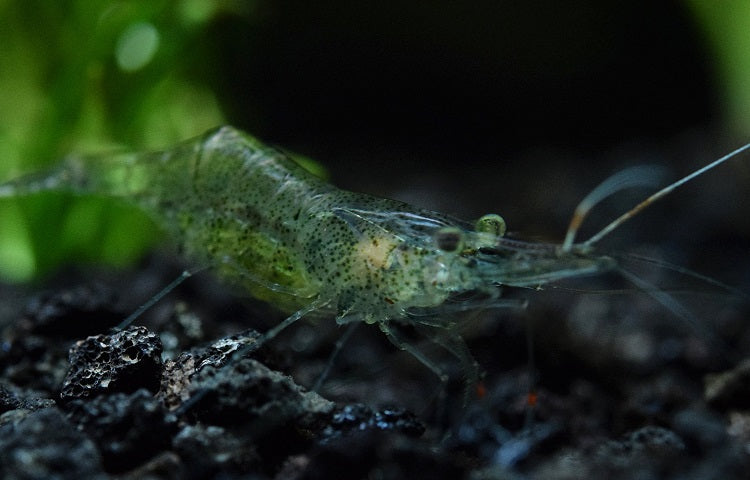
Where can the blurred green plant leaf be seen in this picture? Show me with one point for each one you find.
(87, 76)
(725, 26)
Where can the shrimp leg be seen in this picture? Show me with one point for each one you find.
(343, 339)
(456, 346)
(401, 344)
(316, 304)
(155, 299)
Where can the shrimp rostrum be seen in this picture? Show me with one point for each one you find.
(263, 222)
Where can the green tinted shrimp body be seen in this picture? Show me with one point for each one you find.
(263, 222)
(289, 238)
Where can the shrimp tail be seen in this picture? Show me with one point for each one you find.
(60, 178)
(110, 175)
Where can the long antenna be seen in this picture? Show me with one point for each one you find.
(661, 193)
(638, 176)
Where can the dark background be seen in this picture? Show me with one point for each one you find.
(518, 108)
(487, 76)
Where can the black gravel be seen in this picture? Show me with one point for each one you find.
(170, 398)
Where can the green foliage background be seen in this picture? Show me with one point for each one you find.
(725, 26)
(88, 75)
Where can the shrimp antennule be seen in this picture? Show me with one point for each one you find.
(616, 183)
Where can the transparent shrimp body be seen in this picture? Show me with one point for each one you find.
(264, 222)
(261, 221)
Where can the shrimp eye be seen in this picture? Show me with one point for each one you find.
(491, 223)
(449, 239)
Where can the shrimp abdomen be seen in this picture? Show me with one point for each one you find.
(228, 202)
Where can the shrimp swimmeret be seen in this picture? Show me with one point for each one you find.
(260, 220)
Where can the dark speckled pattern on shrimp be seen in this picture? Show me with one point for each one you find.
(264, 222)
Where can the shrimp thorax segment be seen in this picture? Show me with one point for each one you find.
(377, 258)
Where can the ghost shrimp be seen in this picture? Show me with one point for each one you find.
(261, 221)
